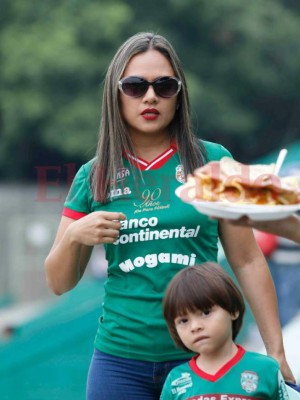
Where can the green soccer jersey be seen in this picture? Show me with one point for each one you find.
(246, 376)
(160, 236)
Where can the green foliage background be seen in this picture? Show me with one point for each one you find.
(242, 61)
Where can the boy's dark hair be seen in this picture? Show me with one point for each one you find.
(200, 287)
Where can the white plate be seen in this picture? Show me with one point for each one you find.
(235, 211)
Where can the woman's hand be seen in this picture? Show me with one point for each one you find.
(96, 228)
(288, 227)
(74, 243)
(267, 226)
(284, 367)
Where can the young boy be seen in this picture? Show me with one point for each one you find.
(204, 311)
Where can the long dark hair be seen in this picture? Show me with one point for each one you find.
(200, 287)
(113, 134)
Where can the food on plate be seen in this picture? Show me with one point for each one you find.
(233, 182)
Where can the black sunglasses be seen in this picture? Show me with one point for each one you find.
(134, 86)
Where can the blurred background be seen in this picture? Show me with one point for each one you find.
(242, 63)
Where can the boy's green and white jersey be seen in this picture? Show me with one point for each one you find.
(160, 236)
(247, 376)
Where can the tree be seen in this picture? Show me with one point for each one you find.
(244, 71)
(241, 60)
(54, 58)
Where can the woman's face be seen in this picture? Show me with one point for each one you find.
(149, 114)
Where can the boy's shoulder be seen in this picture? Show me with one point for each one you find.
(262, 360)
(180, 372)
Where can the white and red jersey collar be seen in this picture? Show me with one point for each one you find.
(157, 162)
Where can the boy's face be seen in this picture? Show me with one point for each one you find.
(206, 332)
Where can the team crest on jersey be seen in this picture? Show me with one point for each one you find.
(180, 175)
(249, 381)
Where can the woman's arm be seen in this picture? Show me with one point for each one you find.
(288, 227)
(72, 248)
(253, 275)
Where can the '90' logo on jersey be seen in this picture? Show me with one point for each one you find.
(149, 198)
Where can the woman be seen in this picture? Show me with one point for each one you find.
(125, 199)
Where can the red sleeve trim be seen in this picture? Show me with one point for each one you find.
(67, 212)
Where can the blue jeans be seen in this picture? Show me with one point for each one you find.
(117, 378)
